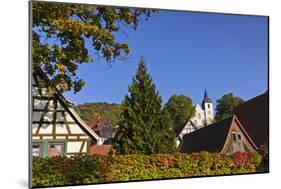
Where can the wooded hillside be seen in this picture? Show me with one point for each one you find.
(90, 111)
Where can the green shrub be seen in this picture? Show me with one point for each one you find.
(95, 169)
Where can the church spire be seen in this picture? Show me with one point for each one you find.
(206, 98)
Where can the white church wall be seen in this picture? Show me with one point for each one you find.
(198, 118)
(203, 114)
(209, 112)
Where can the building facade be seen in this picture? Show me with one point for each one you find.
(57, 130)
(204, 113)
(103, 129)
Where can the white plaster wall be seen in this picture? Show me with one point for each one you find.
(46, 129)
(59, 106)
(35, 137)
(39, 104)
(68, 117)
(73, 146)
(187, 129)
(34, 128)
(84, 137)
(75, 129)
(51, 105)
(61, 129)
(48, 116)
(85, 147)
(59, 116)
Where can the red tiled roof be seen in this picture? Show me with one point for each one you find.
(100, 149)
(97, 125)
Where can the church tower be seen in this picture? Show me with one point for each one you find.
(207, 107)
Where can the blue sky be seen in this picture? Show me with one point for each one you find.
(186, 52)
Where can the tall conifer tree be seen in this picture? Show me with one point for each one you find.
(145, 128)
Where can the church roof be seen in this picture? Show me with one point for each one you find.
(97, 124)
(206, 98)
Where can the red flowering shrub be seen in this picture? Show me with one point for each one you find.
(240, 158)
(95, 169)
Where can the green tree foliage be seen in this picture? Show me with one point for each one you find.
(91, 111)
(225, 106)
(180, 109)
(144, 127)
(60, 32)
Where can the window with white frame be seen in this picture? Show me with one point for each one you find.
(37, 149)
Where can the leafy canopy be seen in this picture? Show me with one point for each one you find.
(145, 128)
(60, 32)
(92, 111)
(225, 106)
(180, 109)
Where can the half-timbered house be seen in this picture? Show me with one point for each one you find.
(184, 129)
(57, 130)
(226, 136)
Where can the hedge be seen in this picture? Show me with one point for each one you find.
(84, 169)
